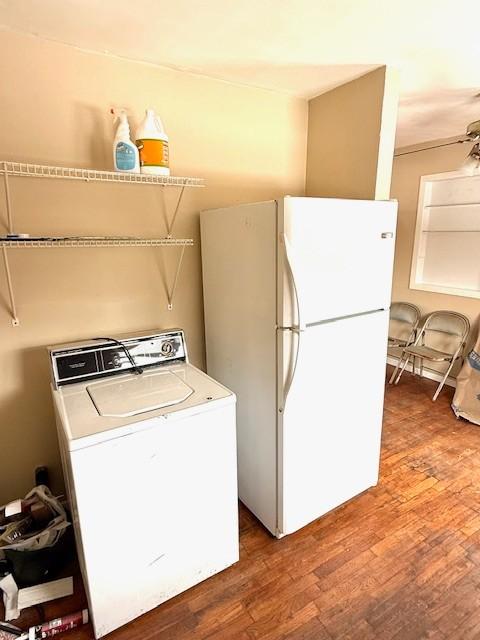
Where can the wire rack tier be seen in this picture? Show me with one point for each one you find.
(50, 243)
(25, 170)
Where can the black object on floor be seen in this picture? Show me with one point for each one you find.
(41, 476)
(33, 567)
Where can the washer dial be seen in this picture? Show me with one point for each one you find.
(167, 348)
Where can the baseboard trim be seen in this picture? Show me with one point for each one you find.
(427, 373)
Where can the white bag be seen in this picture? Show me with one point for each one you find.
(52, 533)
(466, 402)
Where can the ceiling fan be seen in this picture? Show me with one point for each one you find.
(473, 130)
(471, 164)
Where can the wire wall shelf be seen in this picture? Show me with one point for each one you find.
(51, 243)
(25, 170)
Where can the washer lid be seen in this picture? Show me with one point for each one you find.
(138, 394)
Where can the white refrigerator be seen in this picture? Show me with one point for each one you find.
(296, 297)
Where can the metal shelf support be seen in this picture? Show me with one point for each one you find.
(8, 201)
(171, 292)
(171, 224)
(13, 306)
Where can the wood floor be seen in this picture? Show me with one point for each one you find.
(400, 562)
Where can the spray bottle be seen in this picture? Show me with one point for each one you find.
(125, 152)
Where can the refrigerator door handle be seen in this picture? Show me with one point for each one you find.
(294, 279)
(295, 333)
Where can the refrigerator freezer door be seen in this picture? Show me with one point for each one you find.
(342, 256)
(330, 424)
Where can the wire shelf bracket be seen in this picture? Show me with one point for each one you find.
(175, 213)
(8, 201)
(171, 290)
(8, 275)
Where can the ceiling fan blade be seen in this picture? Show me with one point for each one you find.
(473, 129)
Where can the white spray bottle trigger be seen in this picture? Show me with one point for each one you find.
(120, 118)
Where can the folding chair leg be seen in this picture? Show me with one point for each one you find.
(392, 377)
(442, 382)
(413, 365)
(399, 362)
(402, 369)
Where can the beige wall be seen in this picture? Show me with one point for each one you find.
(249, 144)
(407, 170)
(351, 133)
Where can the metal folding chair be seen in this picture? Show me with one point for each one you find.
(404, 319)
(448, 330)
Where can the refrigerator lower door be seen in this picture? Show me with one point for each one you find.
(330, 423)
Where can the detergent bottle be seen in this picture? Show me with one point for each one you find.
(152, 143)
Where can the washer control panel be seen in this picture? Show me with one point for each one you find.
(100, 357)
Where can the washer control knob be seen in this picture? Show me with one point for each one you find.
(116, 360)
(167, 348)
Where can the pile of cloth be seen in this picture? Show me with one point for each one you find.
(466, 402)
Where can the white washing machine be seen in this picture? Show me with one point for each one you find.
(148, 448)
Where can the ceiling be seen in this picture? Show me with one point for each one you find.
(301, 47)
